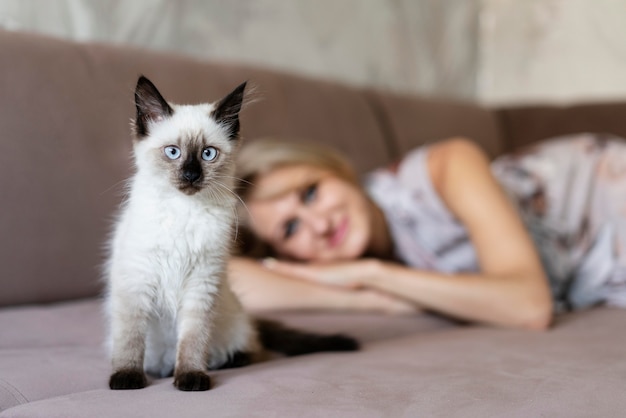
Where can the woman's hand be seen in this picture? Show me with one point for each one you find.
(345, 274)
(261, 289)
(351, 277)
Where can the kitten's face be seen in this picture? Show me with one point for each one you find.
(189, 148)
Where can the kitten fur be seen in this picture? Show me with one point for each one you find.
(169, 305)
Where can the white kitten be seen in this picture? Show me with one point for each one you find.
(169, 304)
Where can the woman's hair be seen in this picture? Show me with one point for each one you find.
(261, 156)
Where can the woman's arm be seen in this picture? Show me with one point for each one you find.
(261, 289)
(511, 289)
(505, 299)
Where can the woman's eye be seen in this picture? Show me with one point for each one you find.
(209, 154)
(291, 227)
(309, 193)
(172, 152)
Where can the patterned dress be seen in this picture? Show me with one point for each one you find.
(569, 191)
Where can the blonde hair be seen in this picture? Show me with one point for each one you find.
(261, 156)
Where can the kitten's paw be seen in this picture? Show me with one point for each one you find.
(193, 380)
(128, 379)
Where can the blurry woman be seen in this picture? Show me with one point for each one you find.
(504, 243)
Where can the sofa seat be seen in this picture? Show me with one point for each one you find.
(54, 365)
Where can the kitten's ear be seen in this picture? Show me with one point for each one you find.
(226, 112)
(151, 106)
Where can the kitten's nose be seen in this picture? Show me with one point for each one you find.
(191, 175)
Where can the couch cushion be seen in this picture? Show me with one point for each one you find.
(79, 323)
(63, 155)
(576, 369)
(297, 108)
(526, 124)
(58, 349)
(412, 121)
(82, 324)
(31, 374)
(280, 104)
(65, 110)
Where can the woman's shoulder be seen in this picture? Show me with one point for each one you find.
(429, 161)
(408, 170)
(417, 176)
(424, 167)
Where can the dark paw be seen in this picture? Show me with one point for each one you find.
(192, 381)
(128, 379)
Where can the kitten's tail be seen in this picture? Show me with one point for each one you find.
(275, 336)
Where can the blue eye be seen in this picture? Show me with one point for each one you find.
(291, 227)
(172, 152)
(309, 193)
(209, 154)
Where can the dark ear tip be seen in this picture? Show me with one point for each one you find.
(242, 86)
(143, 80)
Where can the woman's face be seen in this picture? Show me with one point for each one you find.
(310, 214)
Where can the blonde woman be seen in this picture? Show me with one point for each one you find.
(504, 243)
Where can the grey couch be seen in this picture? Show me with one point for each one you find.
(64, 119)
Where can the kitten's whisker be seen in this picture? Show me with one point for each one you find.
(216, 195)
(236, 178)
(117, 183)
(234, 194)
(234, 209)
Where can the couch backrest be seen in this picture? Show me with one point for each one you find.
(65, 138)
(522, 125)
(412, 121)
(65, 145)
(65, 111)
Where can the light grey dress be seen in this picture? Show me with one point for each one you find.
(570, 192)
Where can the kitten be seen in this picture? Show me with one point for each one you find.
(170, 307)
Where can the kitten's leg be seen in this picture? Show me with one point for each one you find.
(128, 332)
(194, 334)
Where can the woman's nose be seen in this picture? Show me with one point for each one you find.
(318, 223)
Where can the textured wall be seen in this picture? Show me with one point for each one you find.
(552, 51)
(495, 51)
(405, 45)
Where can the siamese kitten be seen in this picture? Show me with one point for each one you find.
(170, 307)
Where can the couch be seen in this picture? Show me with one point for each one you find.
(64, 118)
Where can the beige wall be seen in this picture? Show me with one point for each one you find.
(495, 51)
(552, 50)
(404, 45)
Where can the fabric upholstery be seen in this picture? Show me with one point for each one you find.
(409, 366)
(527, 124)
(412, 121)
(66, 130)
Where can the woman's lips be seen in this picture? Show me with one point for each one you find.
(339, 233)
